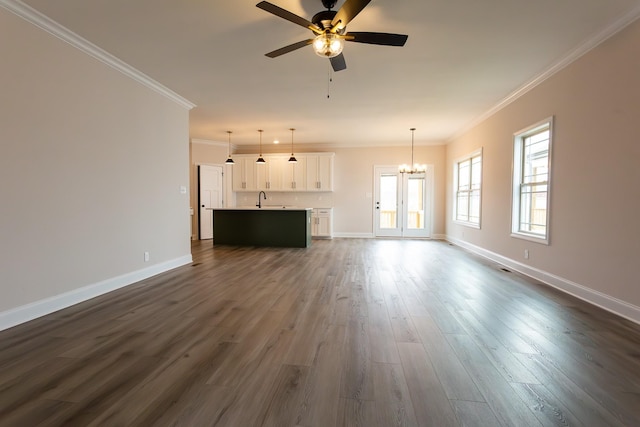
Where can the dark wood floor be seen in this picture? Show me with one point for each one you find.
(347, 332)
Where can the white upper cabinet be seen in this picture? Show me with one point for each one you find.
(294, 174)
(244, 174)
(320, 172)
(312, 172)
(270, 174)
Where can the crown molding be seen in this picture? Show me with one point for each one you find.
(306, 147)
(588, 45)
(47, 24)
(210, 142)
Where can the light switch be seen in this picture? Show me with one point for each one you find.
(183, 189)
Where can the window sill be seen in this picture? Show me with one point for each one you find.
(531, 237)
(467, 224)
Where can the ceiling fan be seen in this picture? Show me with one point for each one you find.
(330, 29)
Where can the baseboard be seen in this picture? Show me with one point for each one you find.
(372, 236)
(599, 299)
(354, 235)
(25, 313)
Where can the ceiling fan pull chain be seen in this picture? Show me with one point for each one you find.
(330, 79)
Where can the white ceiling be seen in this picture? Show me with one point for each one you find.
(462, 58)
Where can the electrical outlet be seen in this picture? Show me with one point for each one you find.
(526, 254)
(146, 256)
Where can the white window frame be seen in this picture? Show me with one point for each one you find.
(456, 165)
(517, 185)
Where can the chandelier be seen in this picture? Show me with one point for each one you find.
(414, 167)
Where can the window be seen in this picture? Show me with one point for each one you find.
(531, 173)
(467, 183)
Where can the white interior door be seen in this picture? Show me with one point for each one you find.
(210, 190)
(402, 203)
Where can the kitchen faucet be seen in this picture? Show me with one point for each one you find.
(262, 193)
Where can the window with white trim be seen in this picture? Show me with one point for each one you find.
(467, 186)
(531, 178)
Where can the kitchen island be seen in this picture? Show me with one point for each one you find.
(266, 226)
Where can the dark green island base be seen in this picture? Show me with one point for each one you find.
(289, 228)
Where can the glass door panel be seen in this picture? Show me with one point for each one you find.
(415, 203)
(388, 201)
(388, 191)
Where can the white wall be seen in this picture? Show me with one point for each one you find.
(91, 166)
(595, 200)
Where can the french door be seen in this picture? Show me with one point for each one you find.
(402, 204)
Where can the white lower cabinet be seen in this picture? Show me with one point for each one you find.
(322, 223)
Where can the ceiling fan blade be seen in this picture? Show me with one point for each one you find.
(338, 63)
(347, 12)
(291, 17)
(377, 38)
(289, 48)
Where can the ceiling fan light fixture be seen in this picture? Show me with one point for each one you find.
(328, 45)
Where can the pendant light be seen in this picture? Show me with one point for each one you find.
(292, 159)
(260, 160)
(229, 159)
(414, 167)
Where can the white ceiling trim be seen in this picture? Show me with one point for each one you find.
(36, 18)
(574, 55)
(210, 142)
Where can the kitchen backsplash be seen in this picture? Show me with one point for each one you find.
(299, 199)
